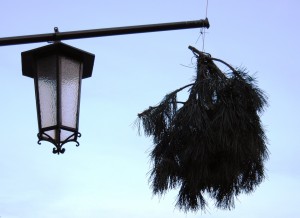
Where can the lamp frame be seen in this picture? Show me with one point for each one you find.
(29, 69)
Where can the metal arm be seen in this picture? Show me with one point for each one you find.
(103, 32)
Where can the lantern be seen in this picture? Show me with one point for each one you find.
(57, 70)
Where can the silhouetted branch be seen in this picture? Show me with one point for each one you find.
(214, 143)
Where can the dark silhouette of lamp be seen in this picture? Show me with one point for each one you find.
(57, 70)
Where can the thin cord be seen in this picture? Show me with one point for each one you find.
(203, 30)
(206, 8)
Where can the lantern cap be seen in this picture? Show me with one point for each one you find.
(57, 48)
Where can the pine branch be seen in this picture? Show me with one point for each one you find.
(214, 143)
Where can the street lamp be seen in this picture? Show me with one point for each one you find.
(57, 70)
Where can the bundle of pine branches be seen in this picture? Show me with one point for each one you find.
(213, 144)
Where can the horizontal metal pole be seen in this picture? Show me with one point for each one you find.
(103, 32)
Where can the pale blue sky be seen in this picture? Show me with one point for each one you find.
(107, 175)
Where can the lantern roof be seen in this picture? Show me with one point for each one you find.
(57, 48)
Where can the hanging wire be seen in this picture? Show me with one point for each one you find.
(206, 9)
(202, 30)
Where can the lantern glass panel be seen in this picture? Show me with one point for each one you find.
(65, 134)
(71, 73)
(51, 133)
(47, 89)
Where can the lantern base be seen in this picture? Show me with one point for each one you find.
(58, 149)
